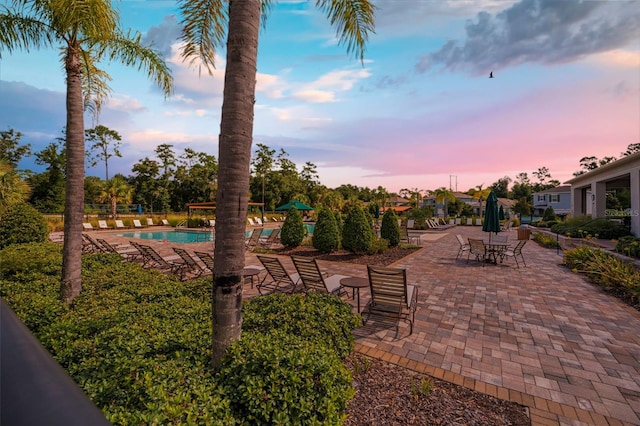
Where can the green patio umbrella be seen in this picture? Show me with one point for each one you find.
(501, 212)
(295, 203)
(491, 215)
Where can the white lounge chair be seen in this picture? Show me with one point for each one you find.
(87, 226)
(251, 222)
(137, 224)
(102, 224)
(258, 221)
(120, 224)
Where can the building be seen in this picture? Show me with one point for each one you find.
(589, 191)
(559, 198)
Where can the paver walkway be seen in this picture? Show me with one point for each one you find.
(538, 335)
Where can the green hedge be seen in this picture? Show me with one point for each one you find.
(138, 343)
(583, 227)
(21, 223)
(629, 246)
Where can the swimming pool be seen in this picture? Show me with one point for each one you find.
(177, 236)
(185, 236)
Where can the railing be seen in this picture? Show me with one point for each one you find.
(181, 224)
(36, 390)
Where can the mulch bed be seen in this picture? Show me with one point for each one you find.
(386, 258)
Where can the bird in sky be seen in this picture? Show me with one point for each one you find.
(491, 74)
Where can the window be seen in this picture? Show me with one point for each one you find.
(541, 198)
(554, 198)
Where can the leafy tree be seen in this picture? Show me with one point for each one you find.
(49, 191)
(389, 230)
(145, 181)
(293, 230)
(87, 32)
(195, 179)
(114, 191)
(632, 148)
(522, 187)
(326, 235)
(11, 152)
(501, 187)
(93, 186)
(591, 163)
(357, 233)
(203, 30)
(13, 189)
(481, 194)
(549, 214)
(106, 143)
(167, 158)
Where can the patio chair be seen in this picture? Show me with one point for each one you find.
(131, 255)
(391, 295)
(102, 224)
(405, 237)
(137, 224)
(499, 238)
(248, 273)
(507, 226)
(251, 222)
(165, 222)
(258, 221)
(515, 252)
(89, 245)
(253, 240)
(477, 249)
(153, 259)
(277, 278)
(150, 222)
(410, 223)
(270, 239)
(314, 280)
(464, 246)
(191, 266)
(120, 224)
(87, 226)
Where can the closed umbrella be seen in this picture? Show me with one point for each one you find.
(491, 216)
(501, 212)
(297, 204)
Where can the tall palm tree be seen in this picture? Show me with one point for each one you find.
(444, 195)
(481, 194)
(86, 31)
(204, 25)
(116, 190)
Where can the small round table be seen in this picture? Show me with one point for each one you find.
(250, 273)
(355, 283)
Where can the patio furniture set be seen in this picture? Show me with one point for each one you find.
(498, 248)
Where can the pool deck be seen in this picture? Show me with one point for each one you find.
(538, 335)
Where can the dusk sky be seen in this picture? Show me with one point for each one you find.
(420, 112)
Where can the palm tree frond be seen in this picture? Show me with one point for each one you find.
(354, 21)
(72, 14)
(204, 24)
(129, 51)
(22, 32)
(95, 84)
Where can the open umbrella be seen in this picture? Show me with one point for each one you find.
(297, 204)
(491, 215)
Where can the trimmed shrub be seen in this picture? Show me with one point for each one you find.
(326, 236)
(357, 233)
(282, 379)
(389, 230)
(549, 214)
(293, 230)
(339, 220)
(21, 223)
(545, 240)
(629, 246)
(315, 317)
(378, 245)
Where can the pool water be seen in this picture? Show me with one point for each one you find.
(183, 236)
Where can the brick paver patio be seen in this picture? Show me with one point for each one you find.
(538, 335)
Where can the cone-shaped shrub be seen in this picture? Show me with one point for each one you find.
(293, 231)
(357, 233)
(21, 223)
(326, 236)
(389, 230)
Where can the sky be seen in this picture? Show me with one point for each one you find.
(419, 112)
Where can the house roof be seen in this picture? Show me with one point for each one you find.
(627, 160)
(506, 202)
(398, 200)
(556, 190)
(398, 208)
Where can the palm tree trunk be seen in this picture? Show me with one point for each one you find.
(71, 284)
(236, 130)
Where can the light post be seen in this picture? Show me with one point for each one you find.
(262, 197)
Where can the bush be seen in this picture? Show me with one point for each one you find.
(357, 233)
(629, 246)
(389, 230)
(605, 269)
(326, 236)
(545, 240)
(378, 245)
(315, 317)
(584, 227)
(549, 214)
(21, 223)
(293, 230)
(279, 378)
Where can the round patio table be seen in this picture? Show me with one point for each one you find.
(355, 283)
(250, 273)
